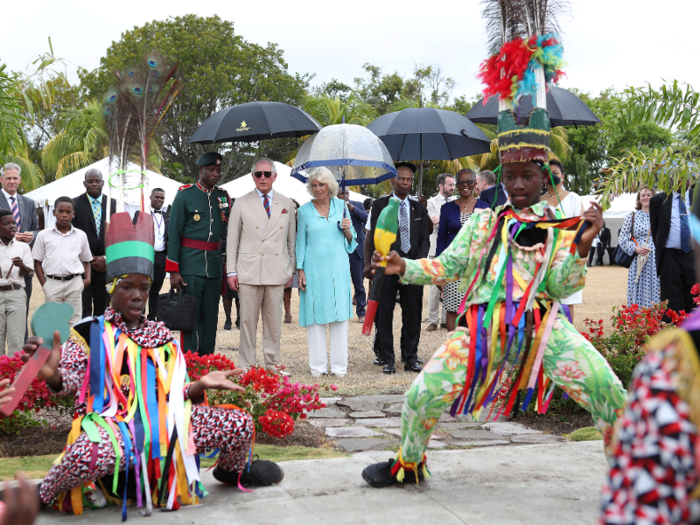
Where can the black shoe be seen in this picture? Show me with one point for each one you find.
(379, 475)
(238, 323)
(262, 473)
(379, 361)
(412, 367)
(227, 324)
(389, 369)
(419, 361)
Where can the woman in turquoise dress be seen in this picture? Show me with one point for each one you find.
(325, 238)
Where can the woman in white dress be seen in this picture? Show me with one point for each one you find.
(565, 204)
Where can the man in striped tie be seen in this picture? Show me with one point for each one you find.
(24, 211)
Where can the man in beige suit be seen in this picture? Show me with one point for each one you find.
(260, 261)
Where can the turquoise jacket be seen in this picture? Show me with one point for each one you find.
(322, 252)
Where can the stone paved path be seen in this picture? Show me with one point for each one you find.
(364, 423)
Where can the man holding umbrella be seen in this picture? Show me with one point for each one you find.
(413, 242)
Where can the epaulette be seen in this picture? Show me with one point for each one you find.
(184, 187)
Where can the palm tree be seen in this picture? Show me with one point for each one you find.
(82, 142)
(332, 110)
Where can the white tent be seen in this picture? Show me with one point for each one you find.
(285, 184)
(72, 186)
(614, 217)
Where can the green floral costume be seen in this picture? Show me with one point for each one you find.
(568, 359)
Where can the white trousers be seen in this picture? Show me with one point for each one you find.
(70, 292)
(13, 319)
(318, 353)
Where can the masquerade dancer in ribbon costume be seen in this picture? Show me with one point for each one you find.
(138, 419)
(654, 475)
(516, 264)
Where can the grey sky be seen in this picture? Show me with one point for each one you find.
(607, 42)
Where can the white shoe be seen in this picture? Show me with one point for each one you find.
(317, 374)
(339, 374)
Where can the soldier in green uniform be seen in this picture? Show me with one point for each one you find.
(198, 222)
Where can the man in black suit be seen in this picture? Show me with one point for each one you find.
(413, 218)
(670, 230)
(486, 183)
(90, 214)
(603, 244)
(161, 220)
(24, 211)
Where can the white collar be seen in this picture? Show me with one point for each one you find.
(55, 227)
(8, 196)
(269, 195)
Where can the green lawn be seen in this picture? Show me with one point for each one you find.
(37, 466)
(585, 434)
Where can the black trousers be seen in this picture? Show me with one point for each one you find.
(95, 296)
(601, 252)
(411, 300)
(158, 279)
(677, 276)
(591, 256)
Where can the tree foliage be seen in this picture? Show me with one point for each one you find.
(219, 69)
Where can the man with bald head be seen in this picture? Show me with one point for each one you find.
(412, 242)
(90, 214)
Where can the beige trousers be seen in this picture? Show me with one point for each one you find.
(13, 318)
(253, 299)
(70, 292)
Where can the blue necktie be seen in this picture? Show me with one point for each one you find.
(685, 226)
(97, 214)
(403, 227)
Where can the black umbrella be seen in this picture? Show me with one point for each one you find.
(429, 134)
(564, 108)
(255, 121)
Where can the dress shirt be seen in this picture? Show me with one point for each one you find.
(674, 234)
(436, 202)
(158, 230)
(269, 197)
(9, 273)
(62, 254)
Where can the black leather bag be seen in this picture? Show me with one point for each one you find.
(619, 256)
(176, 310)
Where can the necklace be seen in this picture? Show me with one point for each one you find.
(557, 195)
(465, 204)
(320, 210)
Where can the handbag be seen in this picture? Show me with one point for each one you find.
(176, 310)
(620, 257)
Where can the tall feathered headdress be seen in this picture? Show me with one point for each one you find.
(526, 57)
(134, 107)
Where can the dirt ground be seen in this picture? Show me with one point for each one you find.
(606, 287)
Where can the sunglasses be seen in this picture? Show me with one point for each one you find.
(259, 174)
(466, 183)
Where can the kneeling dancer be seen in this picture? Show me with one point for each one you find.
(516, 263)
(136, 411)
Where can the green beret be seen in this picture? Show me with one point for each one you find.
(210, 158)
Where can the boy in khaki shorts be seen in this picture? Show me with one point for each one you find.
(61, 259)
(15, 264)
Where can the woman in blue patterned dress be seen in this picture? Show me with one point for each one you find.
(325, 238)
(643, 290)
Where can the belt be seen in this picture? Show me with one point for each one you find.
(199, 245)
(66, 278)
(9, 287)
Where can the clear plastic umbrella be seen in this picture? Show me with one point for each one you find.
(353, 153)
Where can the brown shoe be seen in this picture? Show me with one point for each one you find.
(444, 325)
(431, 327)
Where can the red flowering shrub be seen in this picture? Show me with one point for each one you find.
(36, 397)
(277, 424)
(272, 399)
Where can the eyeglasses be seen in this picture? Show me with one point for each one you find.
(466, 183)
(259, 174)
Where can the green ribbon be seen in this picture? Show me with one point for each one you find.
(129, 249)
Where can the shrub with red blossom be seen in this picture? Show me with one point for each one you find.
(267, 397)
